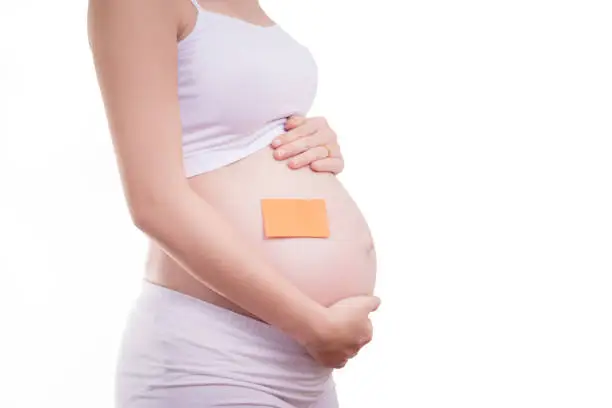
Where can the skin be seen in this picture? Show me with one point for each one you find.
(136, 66)
(309, 142)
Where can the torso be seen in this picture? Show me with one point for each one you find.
(326, 269)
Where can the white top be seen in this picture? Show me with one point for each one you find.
(237, 84)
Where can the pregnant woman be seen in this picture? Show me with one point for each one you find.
(260, 273)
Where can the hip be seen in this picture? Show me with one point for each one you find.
(177, 348)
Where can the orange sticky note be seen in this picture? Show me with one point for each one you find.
(294, 217)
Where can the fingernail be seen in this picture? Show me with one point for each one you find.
(276, 142)
(294, 162)
(280, 153)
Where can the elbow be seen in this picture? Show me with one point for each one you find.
(154, 210)
(148, 214)
(142, 218)
(153, 200)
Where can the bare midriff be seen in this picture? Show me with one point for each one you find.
(326, 269)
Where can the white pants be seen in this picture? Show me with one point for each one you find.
(181, 352)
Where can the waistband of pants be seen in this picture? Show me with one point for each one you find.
(182, 307)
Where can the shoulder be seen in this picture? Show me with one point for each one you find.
(134, 16)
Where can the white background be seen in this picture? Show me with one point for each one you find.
(477, 137)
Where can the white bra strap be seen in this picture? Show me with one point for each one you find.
(197, 5)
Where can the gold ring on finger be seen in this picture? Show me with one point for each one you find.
(329, 150)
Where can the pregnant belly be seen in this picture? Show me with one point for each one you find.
(326, 269)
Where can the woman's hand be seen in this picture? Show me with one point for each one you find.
(344, 331)
(309, 141)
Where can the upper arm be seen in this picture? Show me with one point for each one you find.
(134, 47)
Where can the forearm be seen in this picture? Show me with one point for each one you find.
(203, 243)
(137, 67)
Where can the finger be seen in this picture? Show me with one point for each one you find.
(309, 156)
(305, 129)
(294, 147)
(367, 338)
(343, 360)
(304, 143)
(333, 165)
(340, 365)
(294, 121)
(331, 362)
(368, 303)
(375, 303)
(364, 343)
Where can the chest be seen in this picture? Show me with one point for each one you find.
(254, 74)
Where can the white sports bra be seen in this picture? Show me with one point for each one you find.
(237, 84)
